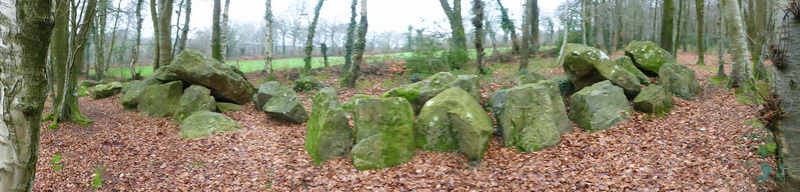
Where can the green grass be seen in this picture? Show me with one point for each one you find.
(316, 62)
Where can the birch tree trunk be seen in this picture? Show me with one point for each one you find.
(786, 126)
(310, 40)
(739, 52)
(223, 33)
(24, 41)
(268, 40)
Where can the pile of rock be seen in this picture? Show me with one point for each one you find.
(191, 89)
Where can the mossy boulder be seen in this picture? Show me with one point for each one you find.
(531, 117)
(627, 64)
(89, 83)
(195, 98)
(107, 90)
(452, 121)
(384, 132)
(225, 84)
(225, 107)
(164, 75)
(161, 100)
(206, 123)
(280, 102)
(420, 92)
(586, 66)
(527, 77)
(132, 92)
(680, 80)
(599, 107)
(653, 99)
(648, 57)
(328, 134)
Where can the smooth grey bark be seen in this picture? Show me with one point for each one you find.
(185, 29)
(216, 33)
(138, 41)
(165, 28)
(99, 39)
(738, 49)
(700, 9)
(25, 28)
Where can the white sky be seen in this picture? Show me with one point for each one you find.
(384, 15)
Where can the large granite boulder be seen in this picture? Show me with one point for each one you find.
(454, 121)
(648, 57)
(586, 66)
(527, 77)
(531, 117)
(206, 123)
(420, 92)
(107, 90)
(328, 134)
(384, 132)
(280, 102)
(225, 84)
(599, 107)
(653, 99)
(161, 100)
(132, 92)
(679, 80)
(627, 64)
(195, 98)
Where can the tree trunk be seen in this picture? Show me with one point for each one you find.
(138, 41)
(178, 26)
(348, 62)
(223, 33)
(786, 125)
(99, 39)
(65, 107)
(459, 37)
(358, 48)
(216, 32)
(268, 43)
(492, 35)
(534, 23)
(738, 49)
(526, 36)
(477, 9)
(667, 24)
(584, 20)
(185, 29)
(720, 45)
(678, 39)
(165, 25)
(701, 47)
(562, 53)
(156, 33)
(508, 25)
(324, 49)
(310, 41)
(113, 37)
(25, 36)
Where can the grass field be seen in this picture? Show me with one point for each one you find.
(282, 64)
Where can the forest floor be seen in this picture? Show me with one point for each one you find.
(702, 145)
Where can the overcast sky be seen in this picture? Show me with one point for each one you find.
(384, 15)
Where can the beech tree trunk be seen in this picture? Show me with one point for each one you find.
(165, 28)
(216, 33)
(701, 48)
(185, 30)
(526, 36)
(667, 26)
(477, 9)
(69, 46)
(156, 33)
(534, 23)
(99, 39)
(310, 40)
(25, 33)
(738, 36)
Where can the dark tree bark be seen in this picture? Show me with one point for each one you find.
(701, 47)
(459, 37)
(667, 26)
(477, 21)
(351, 75)
(216, 33)
(312, 29)
(351, 30)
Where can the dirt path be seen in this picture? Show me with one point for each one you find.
(699, 147)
